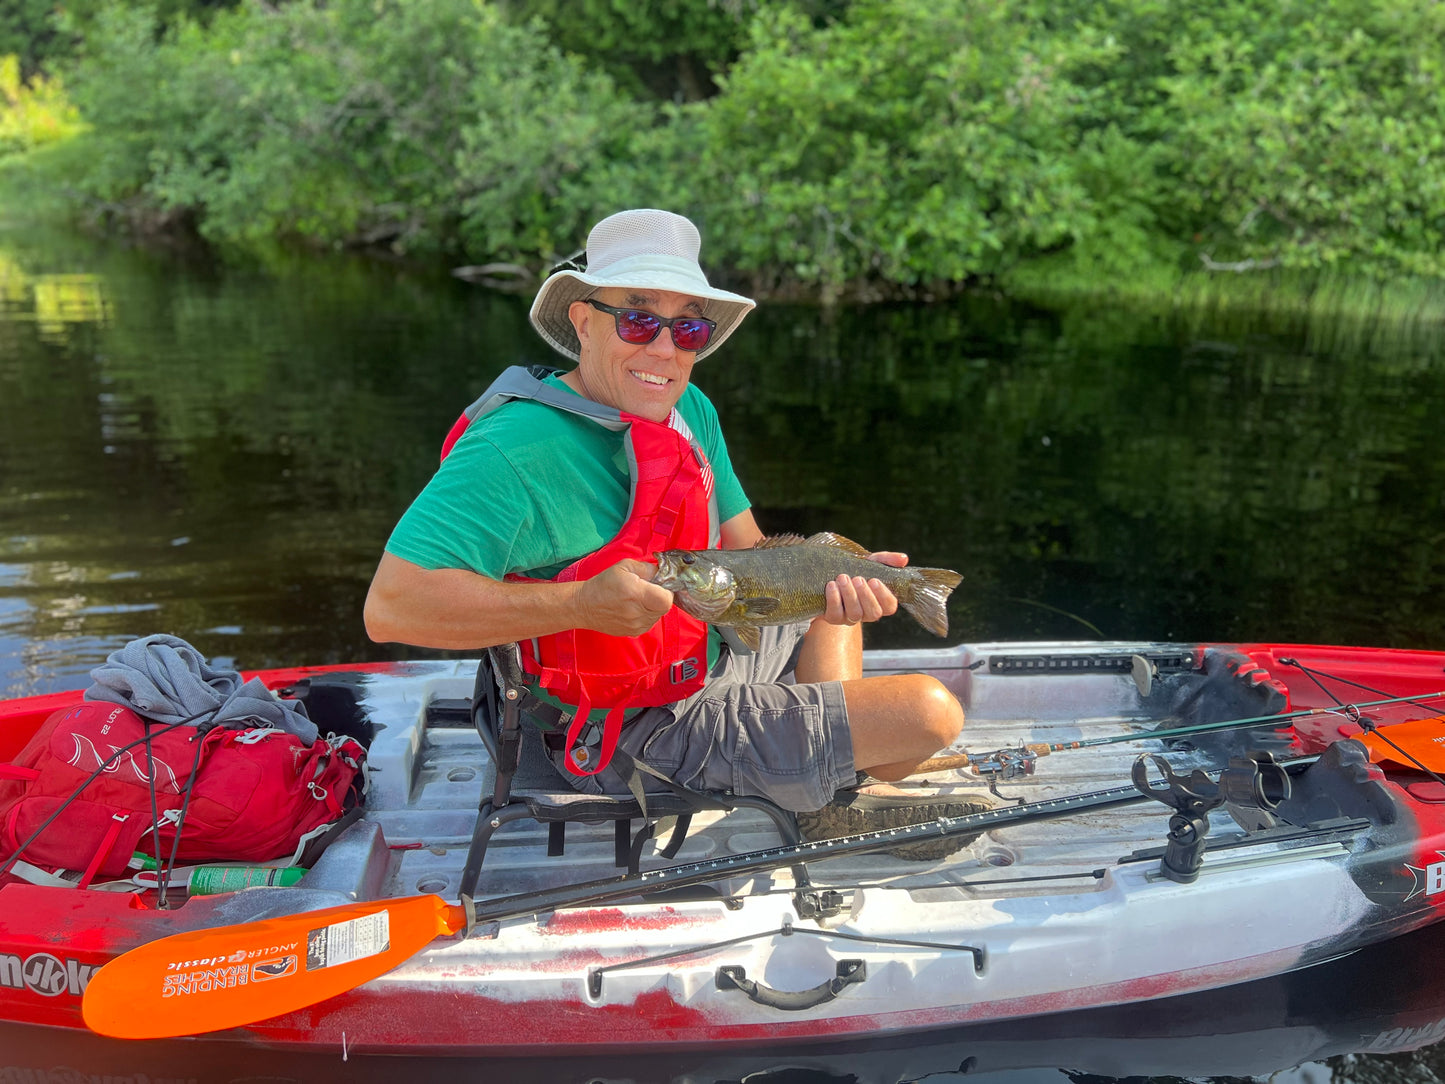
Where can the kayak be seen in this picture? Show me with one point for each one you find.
(1168, 819)
(1377, 1004)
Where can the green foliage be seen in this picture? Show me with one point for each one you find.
(44, 33)
(827, 147)
(917, 141)
(28, 32)
(1312, 134)
(421, 125)
(33, 114)
(666, 49)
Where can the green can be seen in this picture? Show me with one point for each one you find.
(208, 880)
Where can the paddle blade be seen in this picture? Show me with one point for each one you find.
(207, 980)
(1423, 739)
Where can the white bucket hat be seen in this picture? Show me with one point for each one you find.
(646, 249)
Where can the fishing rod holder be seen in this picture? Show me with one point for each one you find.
(1250, 788)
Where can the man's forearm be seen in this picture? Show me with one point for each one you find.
(459, 610)
(830, 653)
(462, 611)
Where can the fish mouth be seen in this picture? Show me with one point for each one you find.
(669, 567)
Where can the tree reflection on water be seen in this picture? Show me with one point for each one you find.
(219, 451)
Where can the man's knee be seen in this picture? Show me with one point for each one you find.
(937, 710)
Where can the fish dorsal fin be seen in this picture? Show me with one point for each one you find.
(775, 540)
(828, 538)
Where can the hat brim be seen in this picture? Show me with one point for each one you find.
(549, 308)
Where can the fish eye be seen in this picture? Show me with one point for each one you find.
(689, 559)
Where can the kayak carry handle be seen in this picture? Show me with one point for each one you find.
(732, 977)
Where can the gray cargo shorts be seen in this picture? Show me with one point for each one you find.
(748, 731)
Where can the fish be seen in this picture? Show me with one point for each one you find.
(781, 580)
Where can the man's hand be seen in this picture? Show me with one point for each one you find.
(851, 599)
(622, 600)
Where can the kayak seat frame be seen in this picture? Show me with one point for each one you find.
(529, 786)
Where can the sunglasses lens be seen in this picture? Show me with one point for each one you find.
(691, 334)
(635, 326)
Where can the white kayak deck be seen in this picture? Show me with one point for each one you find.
(427, 783)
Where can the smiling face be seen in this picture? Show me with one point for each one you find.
(647, 379)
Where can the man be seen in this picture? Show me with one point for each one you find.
(495, 550)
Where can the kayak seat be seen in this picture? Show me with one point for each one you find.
(529, 786)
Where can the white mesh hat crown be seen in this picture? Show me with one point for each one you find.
(646, 249)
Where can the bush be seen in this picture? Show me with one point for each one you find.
(32, 114)
(920, 141)
(427, 125)
(877, 146)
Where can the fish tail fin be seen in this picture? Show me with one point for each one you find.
(927, 597)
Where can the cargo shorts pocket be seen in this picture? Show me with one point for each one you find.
(783, 754)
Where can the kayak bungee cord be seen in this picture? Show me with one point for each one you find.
(165, 869)
(1315, 675)
(787, 929)
(1352, 711)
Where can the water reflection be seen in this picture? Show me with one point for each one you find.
(54, 302)
(220, 450)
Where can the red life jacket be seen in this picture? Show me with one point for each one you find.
(671, 507)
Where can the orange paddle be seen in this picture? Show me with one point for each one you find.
(1423, 739)
(234, 975)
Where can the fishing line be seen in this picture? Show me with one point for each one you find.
(1230, 724)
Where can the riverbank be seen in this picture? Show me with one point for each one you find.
(1375, 314)
(1215, 154)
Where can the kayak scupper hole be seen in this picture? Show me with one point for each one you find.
(998, 858)
(431, 884)
(461, 775)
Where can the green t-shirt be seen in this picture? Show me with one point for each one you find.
(529, 489)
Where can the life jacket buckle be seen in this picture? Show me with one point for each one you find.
(684, 670)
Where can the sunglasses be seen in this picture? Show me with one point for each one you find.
(638, 326)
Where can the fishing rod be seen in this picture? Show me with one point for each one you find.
(1011, 762)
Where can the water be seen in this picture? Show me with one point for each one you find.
(218, 450)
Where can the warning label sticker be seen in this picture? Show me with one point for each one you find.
(354, 939)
